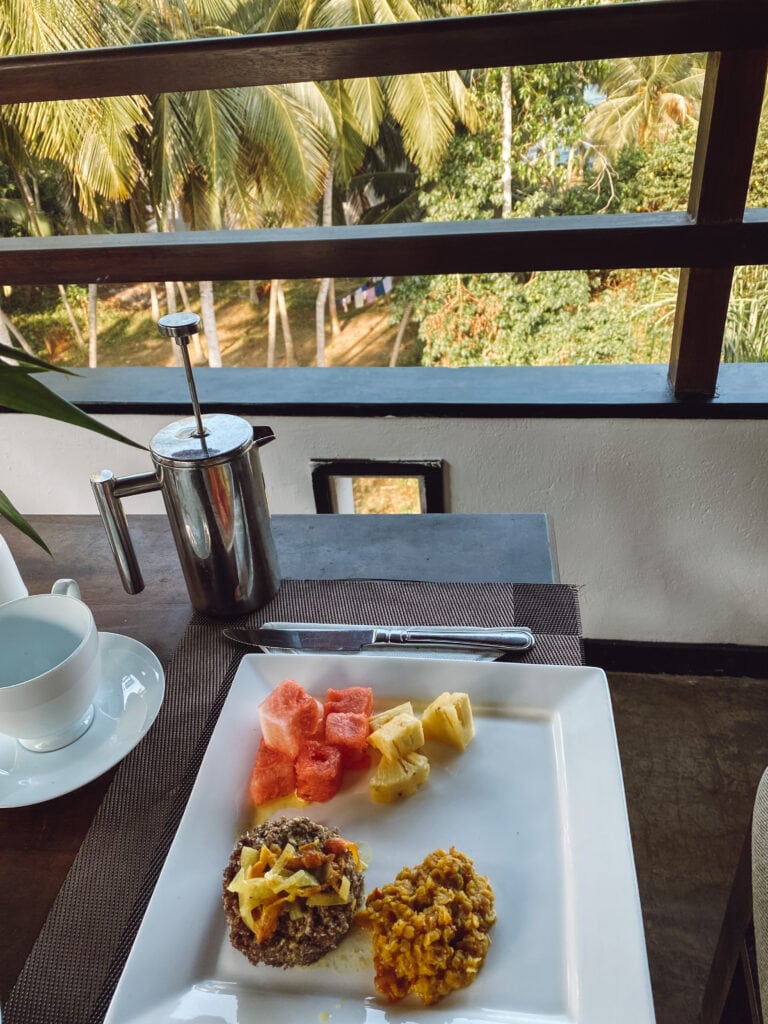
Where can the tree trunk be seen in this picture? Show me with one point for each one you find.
(400, 334)
(322, 296)
(506, 142)
(208, 313)
(5, 338)
(30, 204)
(93, 334)
(78, 333)
(332, 310)
(201, 355)
(6, 324)
(253, 293)
(272, 322)
(154, 303)
(290, 354)
(170, 301)
(26, 193)
(325, 283)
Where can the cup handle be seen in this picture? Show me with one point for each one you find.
(67, 587)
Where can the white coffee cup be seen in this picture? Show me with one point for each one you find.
(50, 667)
(11, 583)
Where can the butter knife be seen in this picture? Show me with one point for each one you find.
(317, 636)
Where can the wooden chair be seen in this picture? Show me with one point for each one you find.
(733, 991)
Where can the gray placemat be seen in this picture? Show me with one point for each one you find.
(75, 964)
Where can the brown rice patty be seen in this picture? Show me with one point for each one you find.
(318, 930)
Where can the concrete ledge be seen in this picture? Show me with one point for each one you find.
(491, 392)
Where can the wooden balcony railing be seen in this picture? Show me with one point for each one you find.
(715, 235)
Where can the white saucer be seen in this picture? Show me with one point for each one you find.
(126, 703)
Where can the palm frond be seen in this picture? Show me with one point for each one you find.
(337, 13)
(638, 93)
(347, 143)
(11, 514)
(22, 392)
(423, 108)
(285, 141)
(368, 102)
(33, 364)
(216, 120)
(170, 146)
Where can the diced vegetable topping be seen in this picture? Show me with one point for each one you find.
(271, 879)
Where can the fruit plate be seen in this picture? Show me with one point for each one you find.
(536, 800)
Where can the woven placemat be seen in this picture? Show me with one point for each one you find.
(76, 962)
(760, 886)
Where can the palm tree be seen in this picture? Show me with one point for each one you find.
(646, 98)
(90, 141)
(227, 157)
(425, 107)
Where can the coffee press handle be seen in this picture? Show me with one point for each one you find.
(263, 435)
(108, 490)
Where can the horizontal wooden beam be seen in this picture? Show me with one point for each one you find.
(527, 37)
(555, 243)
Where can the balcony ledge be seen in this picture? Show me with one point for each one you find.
(630, 391)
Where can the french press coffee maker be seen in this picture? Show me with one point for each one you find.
(208, 470)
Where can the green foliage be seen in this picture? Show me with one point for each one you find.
(21, 391)
(645, 99)
(746, 328)
(572, 317)
(258, 157)
(21, 300)
(469, 184)
(501, 319)
(758, 185)
(659, 177)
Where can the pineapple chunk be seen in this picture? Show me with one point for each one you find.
(385, 716)
(398, 737)
(394, 780)
(448, 719)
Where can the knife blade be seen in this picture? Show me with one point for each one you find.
(317, 636)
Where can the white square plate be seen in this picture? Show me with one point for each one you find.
(536, 800)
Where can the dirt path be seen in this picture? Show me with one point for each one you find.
(366, 336)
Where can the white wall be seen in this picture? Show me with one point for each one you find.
(660, 522)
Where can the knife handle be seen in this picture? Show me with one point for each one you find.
(517, 639)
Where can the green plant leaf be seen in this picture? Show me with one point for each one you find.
(33, 361)
(9, 511)
(20, 391)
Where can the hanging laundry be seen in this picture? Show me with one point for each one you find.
(366, 294)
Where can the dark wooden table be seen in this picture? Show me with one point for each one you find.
(39, 843)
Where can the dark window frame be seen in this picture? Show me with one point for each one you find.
(715, 235)
(429, 473)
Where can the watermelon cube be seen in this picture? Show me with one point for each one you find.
(318, 772)
(348, 730)
(354, 761)
(273, 775)
(288, 716)
(353, 698)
